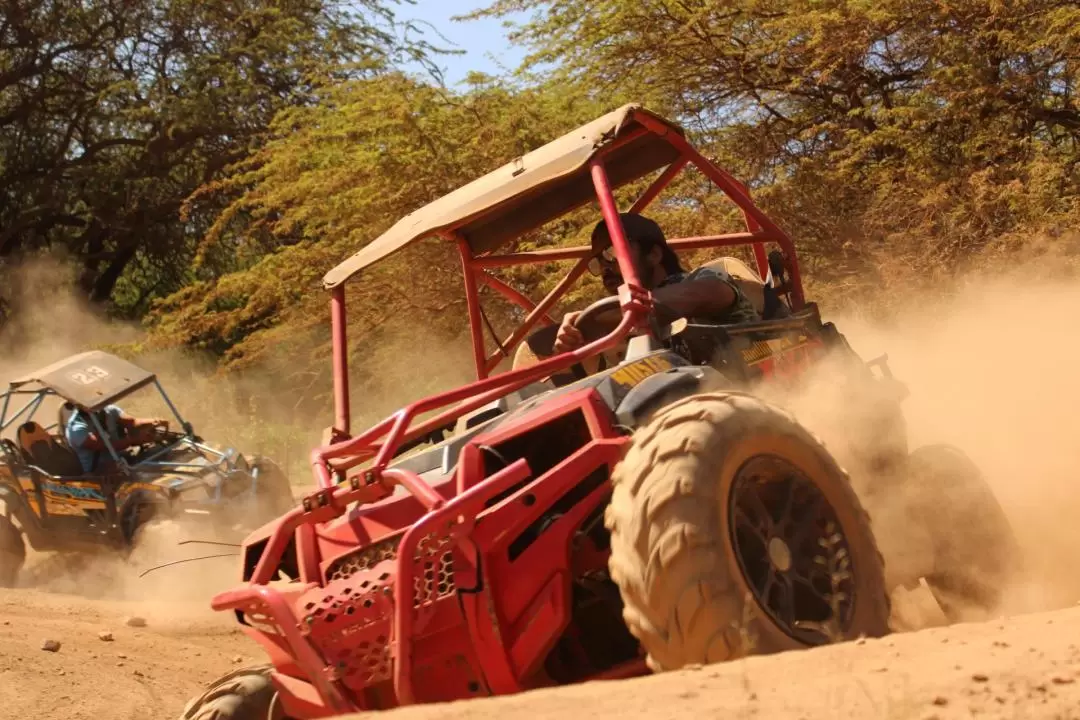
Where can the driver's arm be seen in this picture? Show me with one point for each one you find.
(140, 430)
(91, 441)
(706, 295)
(138, 425)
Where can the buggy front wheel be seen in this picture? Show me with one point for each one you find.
(734, 532)
(245, 694)
(273, 494)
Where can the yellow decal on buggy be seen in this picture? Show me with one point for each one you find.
(763, 349)
(69, 497)
(632, 374)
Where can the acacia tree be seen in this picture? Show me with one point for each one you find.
(113, 111)
(852, 120)
(910, 128)
(334, 176)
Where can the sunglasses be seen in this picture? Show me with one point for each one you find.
(605, 258)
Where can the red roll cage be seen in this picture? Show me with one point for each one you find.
(588, 163)
(585, 164)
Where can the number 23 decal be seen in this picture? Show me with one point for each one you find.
(89, 375)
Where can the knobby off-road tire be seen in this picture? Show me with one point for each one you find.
(975, 552)
(12, 552)
(245, 694)
(275, 496)
(686, 596)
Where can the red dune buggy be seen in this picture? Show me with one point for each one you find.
(566, 526)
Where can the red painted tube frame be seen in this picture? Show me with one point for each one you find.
(546, 304)
(527, 257)
(755, 218)
(614, 226)
(474, 395)
(659, 184)
(342, 414)
(584, 251)
(467, 505)
(635, 304)
(329, 689)
(510, 293)
(632, 297)
(472, 298)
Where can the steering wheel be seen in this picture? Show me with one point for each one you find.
(161, 435)
(601, 305)
(590, 332)
(604, 305)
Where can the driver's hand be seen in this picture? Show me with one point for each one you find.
(569, 337)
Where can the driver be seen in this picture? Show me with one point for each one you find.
(83, 439)
(707, 293)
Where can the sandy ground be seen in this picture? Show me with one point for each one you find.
(146, 672)
(1022, 667)
(1025, 667)
(143, 672)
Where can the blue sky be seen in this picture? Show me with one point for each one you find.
(484, 40)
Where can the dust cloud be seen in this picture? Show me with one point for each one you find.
(990, 370)
(44, 319)
(47, 320)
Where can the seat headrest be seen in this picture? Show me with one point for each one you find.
(736, 268)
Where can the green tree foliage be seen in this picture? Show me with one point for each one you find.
(903, 134)
(913, 128)
(334, 176)
(113, 111)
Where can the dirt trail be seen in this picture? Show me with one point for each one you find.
(147, 672)
(1026, 667)
(1022, 667)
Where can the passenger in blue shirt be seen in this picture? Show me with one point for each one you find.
(124, 431)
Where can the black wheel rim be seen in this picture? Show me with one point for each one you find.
(792, 550)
